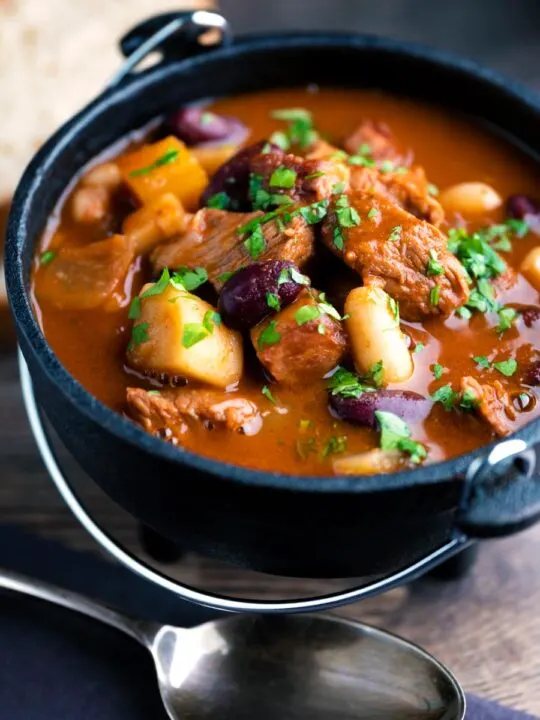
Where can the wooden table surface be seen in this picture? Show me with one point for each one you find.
(485, 626)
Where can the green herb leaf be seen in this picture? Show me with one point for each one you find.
(395, 233)
(47, 257)
(300, 131)
(255, 243)
(347, 216)
(269, 336)
(315, 212)
(291, 114)
(446, 396)
(314, 175)
(506, 367)
(327, 308)
(306, 313)
(291, 274)
(334, 446)
(432, 189)
(272, 300)
(189, 279)
(376, 373)
(153, 392)
(165, 159)
(418, 347)
(507, 315)
(338, 188)
(363, 156)
(396, 435)
(268, 394)
(373, 213)
(464, 313)
(437, 369)
(346, 383)
(435, 295)
(193, 334)
(394, 309)
(482, 361)
(280, 139)
(139, 335)
(469, 400)
(338, 238)
(282, 177)
(211, 318)
(134, 312)
(434, 267)
(321, 329)
(219, 201)
(225, 276)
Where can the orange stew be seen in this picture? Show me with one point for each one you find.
(307, 281)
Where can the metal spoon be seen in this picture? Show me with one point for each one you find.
(269, 667)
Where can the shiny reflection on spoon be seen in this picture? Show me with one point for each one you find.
(270, 667)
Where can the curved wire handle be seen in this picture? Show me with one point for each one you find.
(191, 594)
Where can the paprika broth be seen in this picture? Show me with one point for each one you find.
(308, 281)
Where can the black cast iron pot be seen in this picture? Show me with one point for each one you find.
(298, 526)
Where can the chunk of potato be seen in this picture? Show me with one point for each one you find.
(375, 334)
(159, 220)
(530, 267)
(470, 198)
(371, 462)
(166, 166)
(212, 158)
(183, 340)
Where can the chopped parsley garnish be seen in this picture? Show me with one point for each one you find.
(418, 347)
(314, 175)
(268, 394)
(469, 400)
(306, 313)
(256, 222)
(193, 333)
(305, 425)
(156, 288)
(188, 278)
(363, 156)
(507, 315)
(47, 257)
(153, 392)
(280, 139)
(506, 367)
(225, 276)
(376, 373)
(345, 383)
(338, 188)
(269, 336)
(394, 309)
(347, 216)
(387, 166)
(315, 212)
(282, 177)
(475, 253)
(437, 369)
(211, 318)
(255, 243)
(446, 396)
(372, 213)
(435, 295)
(300, 131)
(165, 159)
(321, 329)
(395, 233)
(291, 274)
(396, 435)
(482, 361)
(434, 267)
(432, 189)
(139, 334)
(338, 238)
(219, 201)
(326, 308)
(272, 300)
(334, 446)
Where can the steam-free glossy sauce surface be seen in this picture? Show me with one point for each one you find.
(92, 344)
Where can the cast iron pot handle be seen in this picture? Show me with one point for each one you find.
(218, 602)
(502, 491)
(175, 35)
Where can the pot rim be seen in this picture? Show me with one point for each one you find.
(126, 430)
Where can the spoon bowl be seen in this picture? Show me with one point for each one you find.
(278, 667)
(299, 667)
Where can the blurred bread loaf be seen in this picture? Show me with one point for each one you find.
(55, 55)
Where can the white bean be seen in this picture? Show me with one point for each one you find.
(530, 267)
(470, 198)
(375, 335)
(106, 175)
(90, 204)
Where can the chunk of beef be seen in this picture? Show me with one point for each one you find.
(214, 243)
(313, 180)
(409, 190)
(297, 350)
(391, 248)
(169, 413)
(381, 144)
(494, 404)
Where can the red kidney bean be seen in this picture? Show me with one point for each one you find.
(257, 291)
(408, 405)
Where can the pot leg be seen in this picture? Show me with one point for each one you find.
(160, 548)
(458, 565)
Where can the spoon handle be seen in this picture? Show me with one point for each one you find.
(137, 629)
